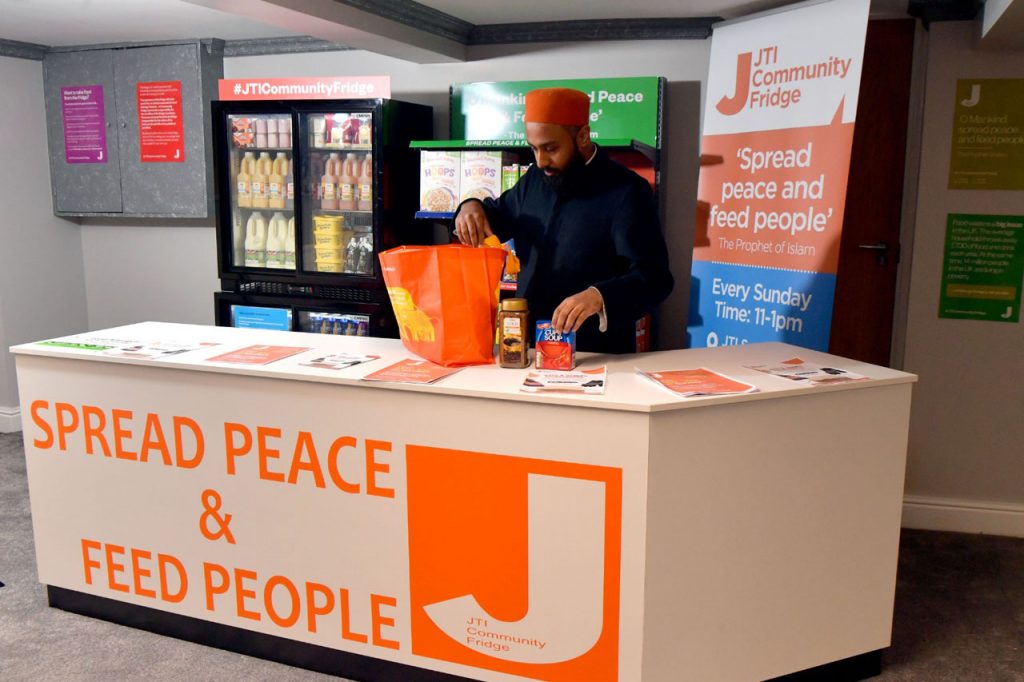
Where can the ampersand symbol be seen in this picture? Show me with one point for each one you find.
(211, 503)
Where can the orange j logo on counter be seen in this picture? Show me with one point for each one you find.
(514, 563)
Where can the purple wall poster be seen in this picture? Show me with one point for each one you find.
(85, 132)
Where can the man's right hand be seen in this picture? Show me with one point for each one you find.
(471, 226)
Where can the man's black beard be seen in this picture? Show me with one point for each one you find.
(568, 177)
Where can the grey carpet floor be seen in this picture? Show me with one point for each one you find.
(959, 614)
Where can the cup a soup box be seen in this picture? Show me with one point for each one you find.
(555, 350)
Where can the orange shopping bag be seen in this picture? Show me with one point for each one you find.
(445, 299)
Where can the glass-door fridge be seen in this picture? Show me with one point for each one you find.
(309, 192)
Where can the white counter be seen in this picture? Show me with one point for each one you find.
(467, 527)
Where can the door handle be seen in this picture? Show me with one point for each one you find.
(881, 247)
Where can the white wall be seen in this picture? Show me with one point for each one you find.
(41, 276)
(171, 271)
(966, 459)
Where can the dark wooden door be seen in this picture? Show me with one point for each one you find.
(870, 249)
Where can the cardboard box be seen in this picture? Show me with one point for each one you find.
(481, 174)
(439, 181)
(555, 350)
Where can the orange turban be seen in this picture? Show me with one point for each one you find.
(560, 106)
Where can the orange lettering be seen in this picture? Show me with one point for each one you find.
(268, 598)
(89, 432)
(304, 443)
(378, 621)
(332, 464)
(121, 434)
(41, 423)
(138, 572)
(211, 589)
(241, 594)
(64, 428)
(346, 619)
(164, 560)
(153, 437)
(262, 433)
(312, 589)
(113, 567)
(197, 433)
(373, 467)
(87, 562)
(231, 450)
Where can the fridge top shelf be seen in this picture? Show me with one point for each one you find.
(262, 149)
(346, 148)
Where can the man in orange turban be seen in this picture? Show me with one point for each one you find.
(593, 259)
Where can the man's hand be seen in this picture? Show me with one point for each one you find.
(471, 226)
(574, 311)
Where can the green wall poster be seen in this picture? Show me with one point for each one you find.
(988, 134)
(620, 108)
(983, 267)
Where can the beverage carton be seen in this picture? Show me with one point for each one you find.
(481, 174)
(439, 181)
(555, 350)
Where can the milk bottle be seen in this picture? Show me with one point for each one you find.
(256, 241)
(261, 181)
(289, 245)
(348, 180)
(329, 185)
(277, 180)
(277, 238)
(364, 201)
(245, 180)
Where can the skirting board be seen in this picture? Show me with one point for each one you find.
(963, 516)
(10, 419)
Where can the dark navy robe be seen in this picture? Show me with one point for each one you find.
(599, 229)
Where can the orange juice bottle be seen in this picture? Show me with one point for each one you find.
(347, 180)
(245, 180)
(365, 199)
(277, 180)
(261, 181)
(329, 183)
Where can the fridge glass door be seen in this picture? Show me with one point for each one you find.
(262, 191)
(339, 324)
(261, 317)
(337, 199)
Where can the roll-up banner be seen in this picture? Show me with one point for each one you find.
(778, 126)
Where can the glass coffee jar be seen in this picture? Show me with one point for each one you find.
(513, 347)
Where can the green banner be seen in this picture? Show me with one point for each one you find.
(620, 108)
(988, 134)
(982, 268)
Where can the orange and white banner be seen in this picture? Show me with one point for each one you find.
(778, 127)
(322, 87)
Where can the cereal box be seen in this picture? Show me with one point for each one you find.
(439, 181)
(481, 174)
(555, 350)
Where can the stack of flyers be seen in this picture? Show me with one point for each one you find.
(796, 369)
(591, 381)
(691, 383)
(338, 361)
(156, 350)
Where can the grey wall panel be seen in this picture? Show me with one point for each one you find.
(167, 188)
(81, 187)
